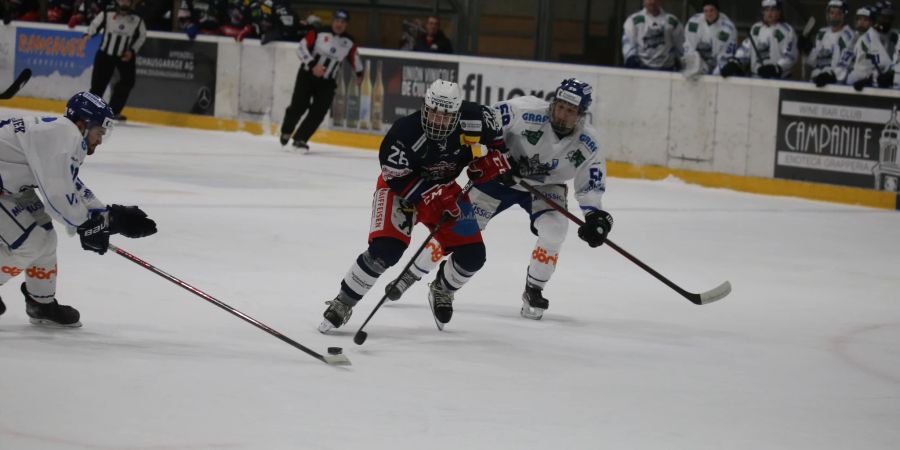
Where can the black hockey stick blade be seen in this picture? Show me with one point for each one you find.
(16, 85)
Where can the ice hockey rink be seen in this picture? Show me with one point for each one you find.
(804, 354)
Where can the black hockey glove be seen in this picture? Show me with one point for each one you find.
(633, 62)
(597, 225)
(825, 78)
(859, 85)
(769, 71)
(886, 79)
(731, 68)
(130, 221)
(94, 233)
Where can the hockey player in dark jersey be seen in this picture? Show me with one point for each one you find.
(421, 156)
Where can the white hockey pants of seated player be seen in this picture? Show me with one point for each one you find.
(36, 259)
(550, 225)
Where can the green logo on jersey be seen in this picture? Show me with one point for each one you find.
(637, 20)
(692, 27)
(723, 36)
(532, 136)
(576, 157)
(779, 35)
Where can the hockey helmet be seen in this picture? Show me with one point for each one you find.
(576, 93)
(440, 113)
(90, 109)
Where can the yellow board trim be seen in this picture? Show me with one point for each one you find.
(756, 185)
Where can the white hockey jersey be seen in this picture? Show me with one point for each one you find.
(830, 54)
(715, 42)
(541, 157)
(872, 48)
(45, 153)
(655, 40)
(776, 44)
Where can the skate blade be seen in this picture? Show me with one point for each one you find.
(438, 323)
(326, 326)
(45, 323)
(530, 312)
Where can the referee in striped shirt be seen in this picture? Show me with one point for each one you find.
(123, 34)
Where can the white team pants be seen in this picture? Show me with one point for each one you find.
(28, 245)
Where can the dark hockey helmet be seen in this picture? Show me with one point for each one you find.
(576, 93)
(91, 109)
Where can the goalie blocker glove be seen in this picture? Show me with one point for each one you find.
(596, 227)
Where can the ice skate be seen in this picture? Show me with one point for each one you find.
(284, 138)
(337, 314)
(395, 289)
(301, 145)
(441, 302)
(533, 303)
(50, 314)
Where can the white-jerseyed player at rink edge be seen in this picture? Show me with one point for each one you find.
(549, 144)
(45, 153)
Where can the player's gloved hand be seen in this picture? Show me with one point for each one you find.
(731, 68)
(886, 79)
(633, 62)
(597, 225)
(246, 31)
(488, 167)
(859, 85)
(769, 71)
(94, 233)
(442, 199)
(192, 31)
(825, 78)
(130, 221)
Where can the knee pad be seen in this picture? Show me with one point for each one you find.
(551, 228)
(470, 257)
(386, 251)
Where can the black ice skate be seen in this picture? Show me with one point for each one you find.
(301, 145)
(441, 302)
(50, 314)
(285, 137)
(337, 314)
(395, 289)
(533, 303)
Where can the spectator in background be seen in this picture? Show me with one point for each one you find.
(873, 51)
(710, 41)
(652, 38)
(411, 30)
(271, 20)
(321, 55)
(60, 11)
(24, 10)
(833, 46)
(433, 40)
(84, 11)
(123, 35)
(771, 49)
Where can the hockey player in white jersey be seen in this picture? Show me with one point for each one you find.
(874, 51)
(771, 49)
(549, 144)
(652, 38)
(44, 153)
(833, 47)
(710, 40)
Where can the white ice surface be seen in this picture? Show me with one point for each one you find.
(804, 354)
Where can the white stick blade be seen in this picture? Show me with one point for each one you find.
(715, 294)
(336, 360)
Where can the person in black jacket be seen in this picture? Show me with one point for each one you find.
(433, 40)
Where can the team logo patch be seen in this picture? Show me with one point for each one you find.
(470, 125)
(576, 157)
(532, 136)
(389, 173)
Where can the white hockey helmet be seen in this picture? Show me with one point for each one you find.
(440, 113)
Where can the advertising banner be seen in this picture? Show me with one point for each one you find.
(177, 76)
(844, 139)
(390, 88)
(60, 61)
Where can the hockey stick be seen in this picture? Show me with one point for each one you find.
(360, 337)
(334, 357)
(702, 298)
(16, 85)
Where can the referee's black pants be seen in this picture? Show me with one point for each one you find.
(104, 66)
(308, 89)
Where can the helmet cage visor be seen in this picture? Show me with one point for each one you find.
(438, 123)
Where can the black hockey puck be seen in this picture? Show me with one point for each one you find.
(335, 350)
